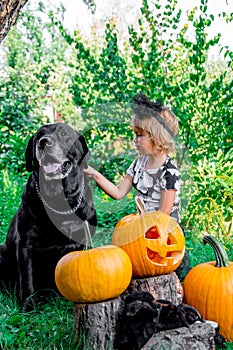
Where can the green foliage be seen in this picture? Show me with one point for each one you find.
(161, 60)
(109, 213)
(109, 68)
(13, 149)
(32, 53)
(11, 187)
(210, 192)
(16, 117)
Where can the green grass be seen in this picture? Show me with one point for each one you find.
(51, 325)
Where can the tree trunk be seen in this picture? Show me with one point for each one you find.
(9, 12)
(96, 323)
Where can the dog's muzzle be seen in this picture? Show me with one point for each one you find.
(51, 158)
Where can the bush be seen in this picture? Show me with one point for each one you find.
(210, 192)
(11, 187)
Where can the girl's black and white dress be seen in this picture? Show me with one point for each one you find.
(150, 182)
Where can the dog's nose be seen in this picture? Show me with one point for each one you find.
(45, 141)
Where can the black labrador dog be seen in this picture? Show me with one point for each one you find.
(56, 215)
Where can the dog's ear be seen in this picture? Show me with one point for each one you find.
(29, 154)
(86, 154)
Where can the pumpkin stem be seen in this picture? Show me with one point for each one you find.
(219, 251)
(88, 239)
(141, 208)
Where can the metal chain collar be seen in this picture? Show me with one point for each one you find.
(67, 212)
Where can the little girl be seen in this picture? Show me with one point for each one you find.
(153, 174)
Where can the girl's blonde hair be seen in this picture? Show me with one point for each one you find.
(162, 128)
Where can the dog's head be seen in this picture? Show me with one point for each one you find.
(56, 149)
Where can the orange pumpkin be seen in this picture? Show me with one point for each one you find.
(93, 275)
(209, 288)
(154, 242)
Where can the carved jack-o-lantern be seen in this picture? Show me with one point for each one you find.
(154, 242)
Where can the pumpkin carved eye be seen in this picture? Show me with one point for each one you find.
(152, 233)
(154, 242)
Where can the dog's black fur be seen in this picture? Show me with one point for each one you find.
(55, 213)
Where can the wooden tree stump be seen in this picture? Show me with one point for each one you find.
(96, 323)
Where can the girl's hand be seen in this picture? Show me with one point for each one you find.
(91, 172)
(116, 192)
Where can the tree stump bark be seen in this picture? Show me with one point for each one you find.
(161, 287)
(200, 336)
(96, 323)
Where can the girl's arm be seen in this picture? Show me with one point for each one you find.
(116, 192)
(167, 201)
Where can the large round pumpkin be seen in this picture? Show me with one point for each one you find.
(93, 275)
(209, 288)
(154, 242)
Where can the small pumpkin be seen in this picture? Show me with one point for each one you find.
(209, 288)
(154, 242)
(93, 275)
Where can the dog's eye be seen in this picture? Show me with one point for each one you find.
(63, 133)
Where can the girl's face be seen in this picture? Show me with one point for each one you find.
(143, 141)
